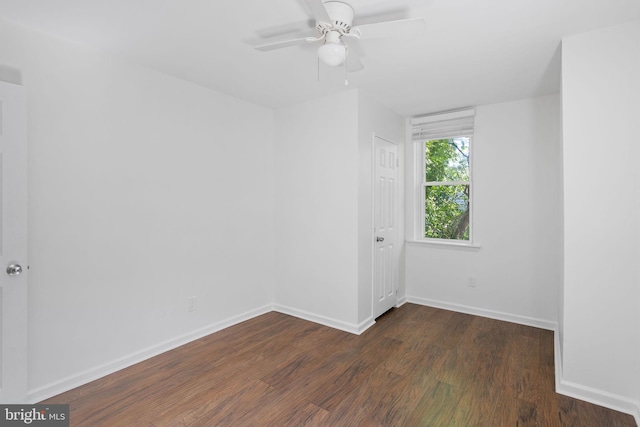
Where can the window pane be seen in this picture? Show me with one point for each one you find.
(447, 160)
(446, 212)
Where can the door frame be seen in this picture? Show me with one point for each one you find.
(14, 290)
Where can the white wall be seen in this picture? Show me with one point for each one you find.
(144, 190)
(601, 133)
(517, 221)
(324, 223)
(316, 209)
(375, 119)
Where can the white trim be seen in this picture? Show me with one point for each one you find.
(401, 301)
(557, 356)
(589, 394)
(417, 201)
(492, 314)
(372, 218)
(84, 377)
(567, 388)
(600, 397)
(326, 321)
(444, 183)
(446, 243)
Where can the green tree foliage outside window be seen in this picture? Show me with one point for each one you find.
(446, 187)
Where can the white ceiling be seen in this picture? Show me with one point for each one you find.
(472, 52)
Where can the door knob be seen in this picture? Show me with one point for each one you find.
(14, 270)
(379, 239)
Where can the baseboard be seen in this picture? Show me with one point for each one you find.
(89, 375)
(589, 394)
(81, 378)
(577, 391)
(401, 301)
(599, 397)
(557, 357)
(492, 314)
(326, 321)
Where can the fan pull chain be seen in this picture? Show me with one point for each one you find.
(346, 58)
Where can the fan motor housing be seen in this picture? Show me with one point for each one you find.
(341, 15)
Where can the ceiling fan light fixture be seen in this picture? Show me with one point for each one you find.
(332, 54)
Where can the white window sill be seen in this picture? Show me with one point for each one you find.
(444, 244)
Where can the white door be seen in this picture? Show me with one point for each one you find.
(385, 269)
(13, 244)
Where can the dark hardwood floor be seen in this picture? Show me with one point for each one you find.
(417, 366)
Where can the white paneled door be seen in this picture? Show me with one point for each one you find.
(385, 217)
(13, 244)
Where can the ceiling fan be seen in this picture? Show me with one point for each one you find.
(334, 25)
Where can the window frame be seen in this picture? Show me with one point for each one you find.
(417, 211)
(423, 184)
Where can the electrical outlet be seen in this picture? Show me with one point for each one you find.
(471, 281)
(193, 303)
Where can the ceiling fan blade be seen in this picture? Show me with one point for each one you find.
(284, 43)
(318, 10)
(294, 30)
(355, 47)
(402, 27)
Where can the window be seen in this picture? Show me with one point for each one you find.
(443, 196)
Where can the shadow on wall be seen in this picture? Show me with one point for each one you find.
(10, 75)
(550, 81)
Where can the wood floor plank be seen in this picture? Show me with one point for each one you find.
(416, 321)
(408, 356)
(186, 401)
(483, 392)
(332, 393)
(306, 414)
(493, 341)
(436, 407)
(356, 407)
(416, 366)
(399, 401)
(458, 368)
(505, 413)
(525, 351)
(279, 407)
(527, 414)
(162, 396)
(454, 330)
